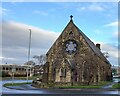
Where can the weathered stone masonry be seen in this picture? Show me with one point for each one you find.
(74, 60)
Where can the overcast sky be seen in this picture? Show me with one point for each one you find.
(99, 21)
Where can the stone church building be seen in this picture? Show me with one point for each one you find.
(74, 59)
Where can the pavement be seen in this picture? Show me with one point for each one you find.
(28, 90)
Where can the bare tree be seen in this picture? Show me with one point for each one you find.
(29, 63)
(40, 60)
(106, 54)
(36, 57)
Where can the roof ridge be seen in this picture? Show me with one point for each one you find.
(92, 45)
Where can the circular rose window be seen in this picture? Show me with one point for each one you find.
(70, 46)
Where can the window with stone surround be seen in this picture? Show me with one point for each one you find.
(63, 72)
(70, 46)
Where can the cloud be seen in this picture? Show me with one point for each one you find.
(95, 7)
(4, 11)
(14, 3)
(116, 35)
(98, 32)
(91, 7)
(112, 51)
(15, 38)
(17, 34)
(82, 8)
(112, 24)
(40, 12)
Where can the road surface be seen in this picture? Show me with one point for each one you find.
(28, 90)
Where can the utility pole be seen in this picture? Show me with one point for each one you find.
(29, 53)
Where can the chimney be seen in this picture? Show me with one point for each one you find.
(98, 46)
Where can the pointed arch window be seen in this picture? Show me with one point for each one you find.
(63, 72)
(71, 34)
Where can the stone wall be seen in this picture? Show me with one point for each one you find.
(84, 66)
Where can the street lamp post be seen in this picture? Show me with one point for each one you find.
(13, 72)
(29, 53)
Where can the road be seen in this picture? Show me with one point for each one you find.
(28, 90)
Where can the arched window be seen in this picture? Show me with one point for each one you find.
(3, 68)
(71, 34)
(6, 68)
(63, 72)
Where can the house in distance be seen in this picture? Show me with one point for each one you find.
(75, 60)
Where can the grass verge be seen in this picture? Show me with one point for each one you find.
(21, 78)
(16, 84)
(77, 87)
(116, 86)
(102, 83)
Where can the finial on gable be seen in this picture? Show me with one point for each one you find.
(71, 17)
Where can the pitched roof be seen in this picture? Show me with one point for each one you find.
(92, 45)
(89, 42)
